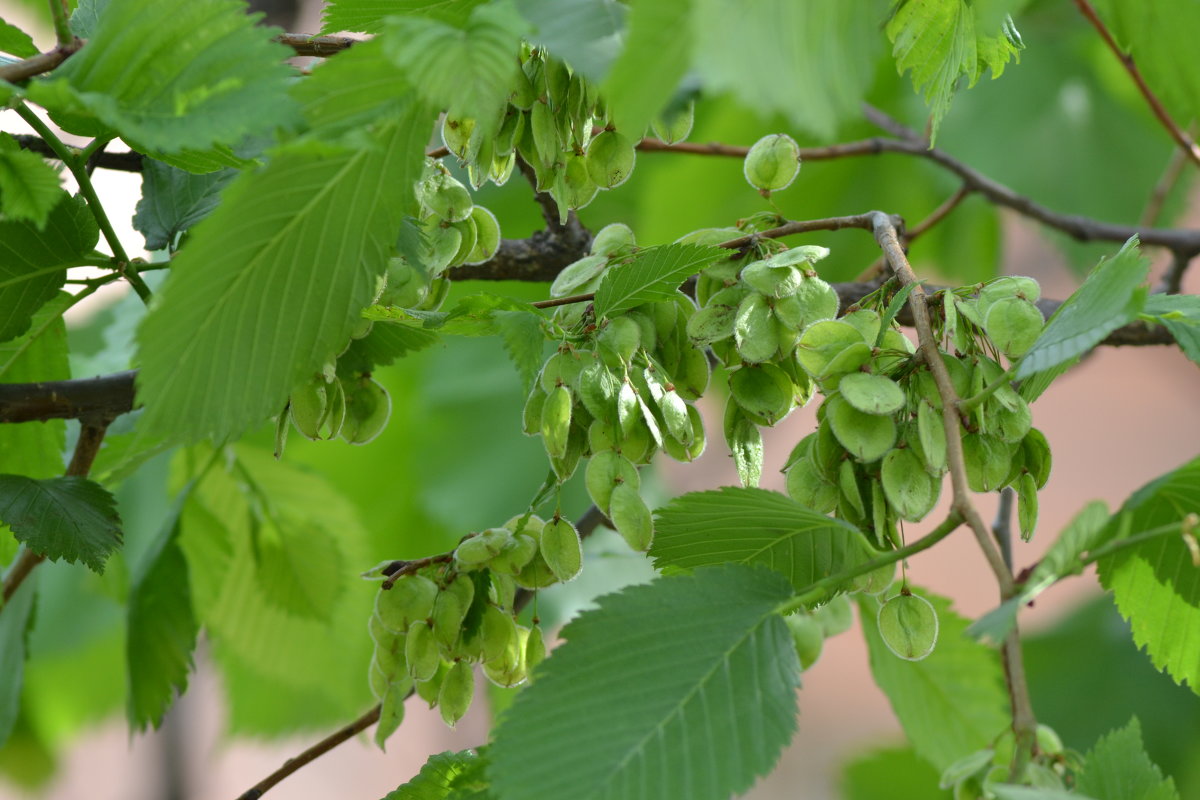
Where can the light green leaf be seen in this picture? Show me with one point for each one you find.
(15, 41)
(14, 629)
(755, 526)
(29, 187)
(200, 162)
(811, 61)
(164, 96)
(1180, 313)
(366, 16)
(891, 773)
(442, 775)
(466, 70)
(174, 200)
(33, 263)
(62, 518)
(951, 703)
(654, 274)
(35, 448)
(383, 345)
(352, 90)
(1005, 791)
(524, 341)
(162, 626)
(269, 286)
(86, 17)
(691, 679)
(585, 33)
(941, 41)
(300, 566)
(658, 44)
(1111, 296)
(1117, 768)
(1155, 584)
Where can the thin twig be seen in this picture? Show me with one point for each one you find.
(1177, 133)
(1172, 281)
(35, 65)
(1002, 524)
(921, 228)
(319, 46)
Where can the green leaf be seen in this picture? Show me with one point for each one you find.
(162, 626)
(15, 41)
(658, 43)
(653, 274)
(1117, 768)
(35, 448)
(442, 775)
(33, 263)
(15, 622)
(524, 341)
(466, 70)
(691, 679)
(1005, 791)
(1086, 531)
(366, 16)
(383, 345)
(300, 566)
(29, 187)
(755, 526)
(352, 90)
(941, 41)
(951, 703)
(1155, 584)
(62, 518)
(165, 96)
(585, 33)
(812, 61)
(1180, 313)
(269, 285)
(897, 772)
(174, 200)
(1111, 296)
(86, 17)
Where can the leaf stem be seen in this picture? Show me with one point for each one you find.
(78, 168)
(969, 404)
(1133, 541)
(61, 15)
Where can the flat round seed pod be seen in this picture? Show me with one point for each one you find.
(806, 486)
(868, 437)
(909, 489)
(872, 394)
(1013, 324)
(764, 391)
(822, 341)
(754, 329)
(772, 163)
(610, 159)
(908, 625)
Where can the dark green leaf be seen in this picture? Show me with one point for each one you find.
(442, 775)
(658, 44)
(62, 518)
(952, 702)
(383, 345)
(162, 627)
(35, 448)
(1155, 584)
(1111, 296)
(174, 200)
(29, 187)
(654, 274)
(165, 96)
(33, 263)
(691, 680)
(585, 33)
(891, 773)
(1009, 792)
(267, 290)
(14, 629)
(524, 341)
(827, 49)
(1180, 313)
(755, 526)
(366, 16)
(16, 41)
(1117, 768)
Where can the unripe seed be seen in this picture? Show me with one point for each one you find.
(772, 163)
(631, 517)
(410, 599)
(562, 549)
(908, 625)
(556, 421)
(421, 651)
(456, 693)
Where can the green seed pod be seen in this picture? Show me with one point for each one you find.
(378, 680)
(713, 323)
(443, 196)
(931, 431)
(629, 412)
(872, 394)
(754, 329)
(487, 238)
(556, 421)
(610, 159)
(772, 163)
(421, 651)
(1007, 423)
(605, 471)
(822, 342)
(836, 616)
(675, 415)
(772, 280)
(562, 549)
(309, 406)
(908, 487)
(499, 631)
(602, 436)
(515, 556)
(807, 636)
(618, 341)
(456, 693)
(631, 517)
(531, 417)
(875, 582)
(692, 375)
(988, 461)
(409, 600)
(598, 388)
(429, 690)
(1035, 455)
(1027, 505)
(851, 492)
(509, 669)
(456, 135)
(481, 548)
(615, 239)
(561, 369)
(469, 234)
(908, 625)
(675, 124)
(391, 714)
(535, 649)
(764, 391)
(504, 587)
(574, 187)
(1007, 287)
(536, 574)
(807, 487)
(813, 300)
(692, 451)
(745, 444)
(866, 436)
(502, 168)
(368, 408)
(575, 277)
(544, 130)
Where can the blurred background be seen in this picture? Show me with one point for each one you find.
(1064, 127)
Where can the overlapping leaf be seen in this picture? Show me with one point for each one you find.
(755, 526)
(444, 775)
(654, 274)
(1117, 768)
(366, 16)
(29, 187)
(952, 702)
(1180, 313)
(15, 41)
(69, 518)
(690, 679)
(1111, 296)
(33, 263)
(173, 200)
(140, 74)
(14, 630)
(35, 448)
(655, 57)
(351, 91)
(269, 286)
(586, 33)
(1156, 584)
